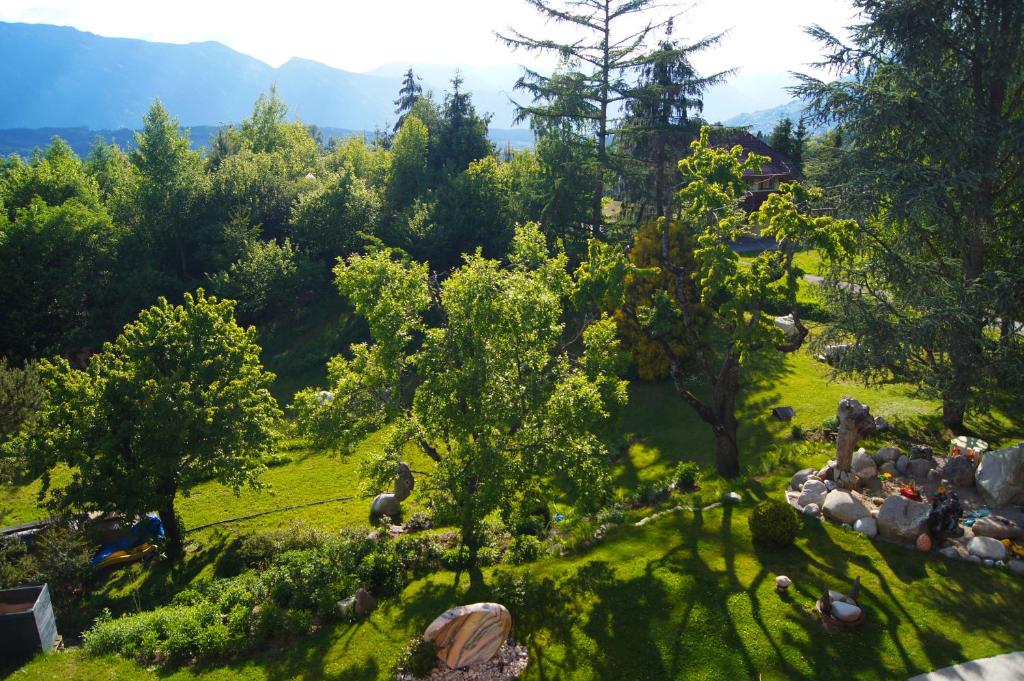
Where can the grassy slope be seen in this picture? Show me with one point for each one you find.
(684, 597)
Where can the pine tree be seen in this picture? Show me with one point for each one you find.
(411, 91)
(598, 71)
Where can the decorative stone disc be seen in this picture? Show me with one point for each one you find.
(470, 634)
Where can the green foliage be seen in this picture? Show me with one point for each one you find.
(59, 556)
(935, 299)
(408, 177)
(21, 395)
(686, 475)
(774, 523)
(178, 398)
(53, 177)
(326, 221)
(419, 657)
(523, 549)
(263, 281)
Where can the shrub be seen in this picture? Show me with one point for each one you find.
(419, 658)
(419, 554)
(381, 571)
(831, 423)
(796, 433)
(536, 525)
(523, 549)
(656, 490)
(456, 558)
(773, 523)
(686, 475)
(419, 521)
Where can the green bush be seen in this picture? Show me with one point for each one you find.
(419, 521)
(524, 549)
(419, 554)
(381, 571)
(686, 475)
(773, 523)
(456, 558)
(831, 423)
(419, 658)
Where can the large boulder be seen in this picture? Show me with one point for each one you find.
(902, 519)
(812, 492)
(919, 468)
(385, 504)
(887, 455)
(1000, 476)
(470, 634)
(921, 452)
(986, 548)
(800, 477)
(842, 507)
(959, 470)
(863, 465)
(997, 527)
(902, 463)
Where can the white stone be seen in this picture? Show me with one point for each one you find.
(841, 507)
(836, 596)
(787, 324)
(800, 477)
(987, 548)
(867, 526)
(733, 497)
(845, 612)
(1016, 566)
(1000, 476)
(812, 509)
(813, 492)
(783, 582)
(902, 519)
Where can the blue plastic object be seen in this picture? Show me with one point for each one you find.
(148, 529)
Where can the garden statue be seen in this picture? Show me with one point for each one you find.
(855, 422)
(390, 504)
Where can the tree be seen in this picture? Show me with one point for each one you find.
(410, 91)
(326, 221)
(167, 202)
(462, 138)
(796, 154)
(54, 176)
(409, 174)
(21, 396)
(724, 310)
(597, 68)
(930, 104)
(487, 391)
(61, 266)
(178, 398)
(658, 125)
(781, 137)
(263, 280)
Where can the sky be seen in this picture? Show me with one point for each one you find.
(360, 35)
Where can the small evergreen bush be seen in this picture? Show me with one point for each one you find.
(686, 475)
(773, 523)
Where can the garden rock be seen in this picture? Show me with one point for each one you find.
(886, 455)
(959, 470)
(800, 477)
(863, 465)
(470, 634)
(812, 509)
(845, 612)
(987, 548)
(918, 468)
(365, 602)
(997, 527)
(1000, 476)
(888, 467)
(902, 519)
(385, 504)
(921, 452)
(813, 492)
(1016, 567)
(902, 463)
(841, 507)
(867, 526)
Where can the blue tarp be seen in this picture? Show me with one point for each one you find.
(148, 529)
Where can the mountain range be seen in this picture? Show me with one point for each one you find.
(59, 77)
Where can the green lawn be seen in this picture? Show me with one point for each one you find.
(684, 597)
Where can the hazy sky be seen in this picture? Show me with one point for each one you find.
(764, 37)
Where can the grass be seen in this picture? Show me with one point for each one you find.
(684, 597)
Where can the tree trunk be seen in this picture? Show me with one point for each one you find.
(954, 406)
(727, 453)
(172, 529)
(724, 393)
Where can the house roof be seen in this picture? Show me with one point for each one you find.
(777, 165)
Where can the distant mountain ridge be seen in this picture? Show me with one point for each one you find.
(60, 77)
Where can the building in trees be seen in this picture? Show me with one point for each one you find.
(761, 182)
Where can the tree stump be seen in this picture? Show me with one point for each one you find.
(855, 422)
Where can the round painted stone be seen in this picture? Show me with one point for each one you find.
(470, 634)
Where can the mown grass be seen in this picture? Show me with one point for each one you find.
(684, 597)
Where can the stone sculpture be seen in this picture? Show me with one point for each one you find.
(470, 634)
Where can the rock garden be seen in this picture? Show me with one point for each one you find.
(961, 501)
